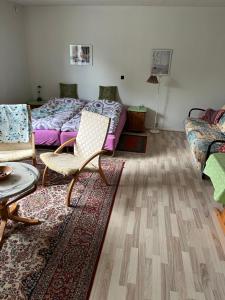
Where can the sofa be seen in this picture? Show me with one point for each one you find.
(205, 135)
(58, 120)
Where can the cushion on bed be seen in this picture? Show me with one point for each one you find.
(68, 90)
(108, 93)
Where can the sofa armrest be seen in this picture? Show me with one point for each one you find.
(208, 154)
(195, 108)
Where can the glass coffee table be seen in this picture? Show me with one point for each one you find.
(20, 183)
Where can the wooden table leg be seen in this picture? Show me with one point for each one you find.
(13, 208)
(12, 215)
(10, 212)
(2, 229)
(17, 218)
(4, 218)
(221, 217)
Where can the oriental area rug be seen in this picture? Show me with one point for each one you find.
(57, 259)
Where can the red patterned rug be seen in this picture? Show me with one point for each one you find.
(58, 258)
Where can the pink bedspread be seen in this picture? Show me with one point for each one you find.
(47, 137)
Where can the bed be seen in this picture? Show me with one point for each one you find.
(58, 120)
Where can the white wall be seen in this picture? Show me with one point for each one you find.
(122, 39)
(14, 85)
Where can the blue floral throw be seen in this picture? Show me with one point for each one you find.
(14, 124)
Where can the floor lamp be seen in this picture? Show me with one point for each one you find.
(154, 80)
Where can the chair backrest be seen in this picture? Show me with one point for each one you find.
(92, 134)
(20, 145)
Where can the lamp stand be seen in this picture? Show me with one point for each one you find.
(155, 129)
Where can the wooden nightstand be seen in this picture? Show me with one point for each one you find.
(136, 118)
(35, 103)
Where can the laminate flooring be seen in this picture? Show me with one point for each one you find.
(163, 240)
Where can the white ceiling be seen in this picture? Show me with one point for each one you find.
(124, 2)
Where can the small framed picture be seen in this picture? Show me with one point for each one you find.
(161, 61)
(81, 55)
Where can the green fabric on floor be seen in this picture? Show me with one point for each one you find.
(215, 169)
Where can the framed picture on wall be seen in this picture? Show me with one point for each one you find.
(161, 61)
(81, 55)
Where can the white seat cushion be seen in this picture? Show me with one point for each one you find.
(64, 163)
(15, 155)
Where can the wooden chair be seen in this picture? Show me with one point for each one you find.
(87, 151)
(19, 151)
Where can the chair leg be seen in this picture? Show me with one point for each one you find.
(102, 175)
(34, 161)
(4, 218)
(44, 176)
(70, 188)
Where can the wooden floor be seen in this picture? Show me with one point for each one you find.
(163, 240)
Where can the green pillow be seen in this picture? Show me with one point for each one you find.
(68, 90)
(108, 93)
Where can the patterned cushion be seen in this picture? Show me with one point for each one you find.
(212, 116)
(68, 90)
(199, 135)
(221, 123)
(222, 148)
(108, 93)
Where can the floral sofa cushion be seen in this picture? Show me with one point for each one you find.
(56, 112)
(106, 108)
(200, 134)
